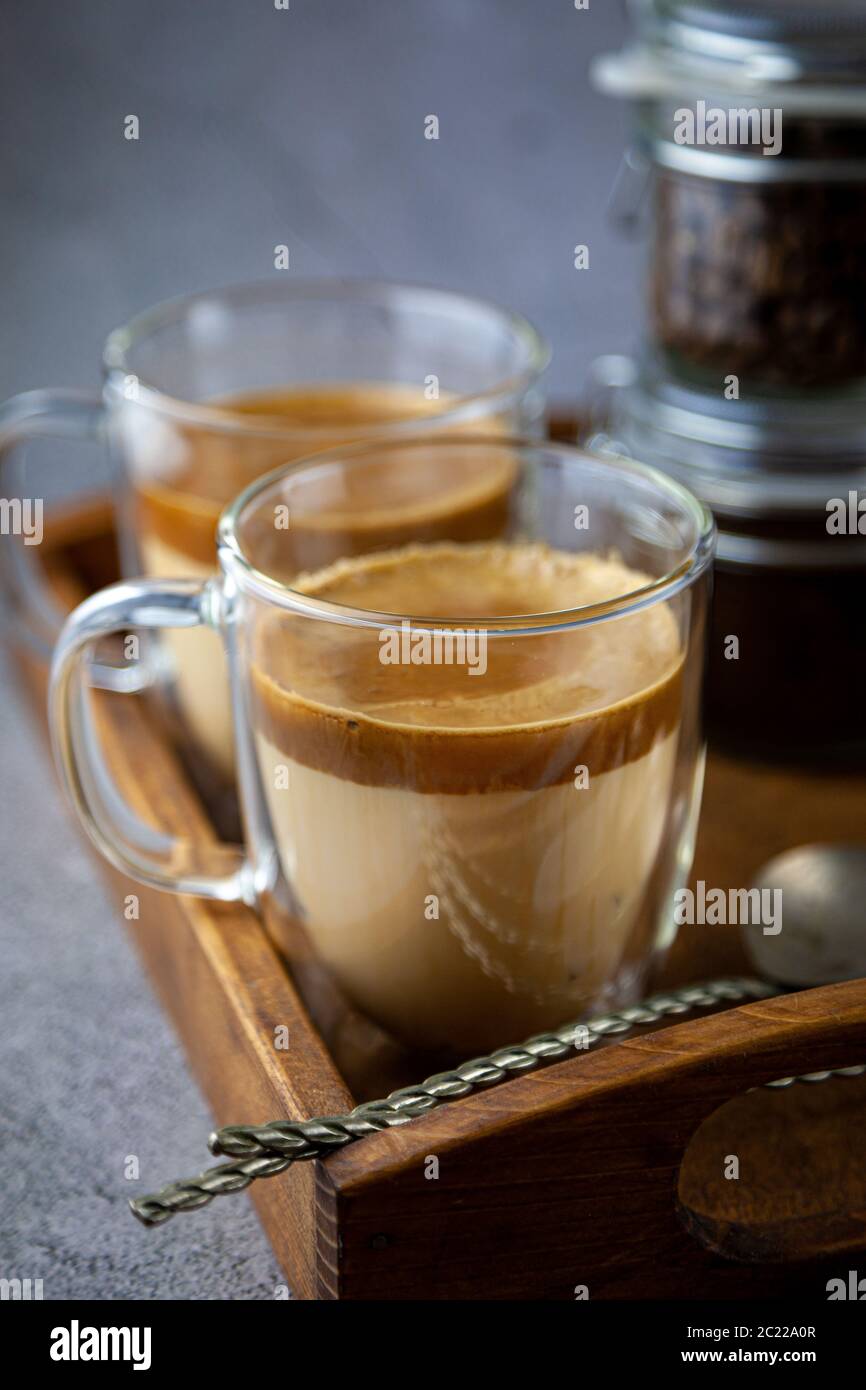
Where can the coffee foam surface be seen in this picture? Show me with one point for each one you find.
(206, 468)
(597, 695)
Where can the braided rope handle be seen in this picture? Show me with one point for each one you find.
(263, 1151)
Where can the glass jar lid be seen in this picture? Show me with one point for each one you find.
(811, 52)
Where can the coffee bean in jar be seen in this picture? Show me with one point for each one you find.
(751, 120)
(786, 481)
(765, 280)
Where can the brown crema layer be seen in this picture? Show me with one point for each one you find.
(183, 508)
(544, 705)
(459, 761)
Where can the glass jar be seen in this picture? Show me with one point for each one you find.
(786, 480)
(750, 124)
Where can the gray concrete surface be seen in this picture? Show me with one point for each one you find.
(258, 127)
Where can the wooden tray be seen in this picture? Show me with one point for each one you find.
(605, 1170)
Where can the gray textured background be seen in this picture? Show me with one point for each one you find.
(258, 127)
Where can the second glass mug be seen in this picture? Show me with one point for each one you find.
(205, 393)
(472, 769)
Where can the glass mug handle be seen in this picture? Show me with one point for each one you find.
(50, 414)
(150, 856)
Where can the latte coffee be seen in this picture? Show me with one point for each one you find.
(178, 497)
(469, 767)
(476, 854)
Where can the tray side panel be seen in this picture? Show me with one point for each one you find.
(568, 1176)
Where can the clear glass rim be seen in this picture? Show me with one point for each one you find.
(255, 581)
(122, 342)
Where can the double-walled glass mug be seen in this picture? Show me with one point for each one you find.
(471, 767)
(206, 393)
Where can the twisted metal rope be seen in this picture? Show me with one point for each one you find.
(263, 1151)
(811, 1076)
